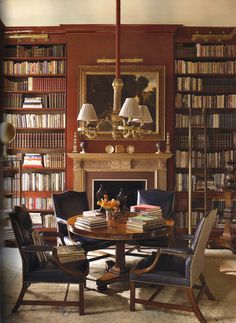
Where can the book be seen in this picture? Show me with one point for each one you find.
(144, 207)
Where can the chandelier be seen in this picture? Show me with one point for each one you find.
(127, 121)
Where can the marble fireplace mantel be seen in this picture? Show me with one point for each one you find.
(119, 162)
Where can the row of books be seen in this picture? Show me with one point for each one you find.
(8, 204)
(201, 50)
(45, 220)
(46, 84)
(214, 160)
(38, 140)
(50, 100)
(205, 101)
(34, 51)
(220, 50)
(214, 120)
(220, 140)
(203, 84)
(9, 185)
(43, 160)
(32, 120)
(91, 222)
(42, 67)
(188, 67)
(213, 183)
(37, 203)
(39, 182)
(182, 219)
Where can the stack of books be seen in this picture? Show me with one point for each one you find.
(67, 254)
(33, 160)
(90, 222)
(145, 222)
(146, 209)
(32, 102)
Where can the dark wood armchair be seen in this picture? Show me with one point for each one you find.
(68, 204)
(176, 267)
(164, 199)
(39, 266)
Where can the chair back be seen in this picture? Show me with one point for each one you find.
(164, 199)
(68, 204)
(199, 244)
(23, 227)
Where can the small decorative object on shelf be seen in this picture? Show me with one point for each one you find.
(75, 149)
(168, 142)
(82, 146)
(158, 147)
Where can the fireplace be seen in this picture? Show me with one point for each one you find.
(113, 187)
(147, 170)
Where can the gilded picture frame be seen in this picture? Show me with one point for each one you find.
(147, 83)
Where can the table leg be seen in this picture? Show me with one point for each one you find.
(119, 272)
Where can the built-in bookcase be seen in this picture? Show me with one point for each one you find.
(205, 79)
(34, 101)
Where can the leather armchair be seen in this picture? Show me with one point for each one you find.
(176, 267)
(68, 204)
(45, 269)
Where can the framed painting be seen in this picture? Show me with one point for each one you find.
(146, 83)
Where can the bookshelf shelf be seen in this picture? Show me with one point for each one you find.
(205, 93)
(34, 75)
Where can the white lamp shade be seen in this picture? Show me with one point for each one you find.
(130, 109)
(87, 113)
(146, 116)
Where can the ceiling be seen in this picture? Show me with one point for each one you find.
(56, 12)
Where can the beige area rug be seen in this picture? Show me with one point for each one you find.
(113, 305)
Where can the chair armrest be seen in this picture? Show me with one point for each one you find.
(150, 268)
(33, 248)
(179, 252)
(60, 220)
(184, 237)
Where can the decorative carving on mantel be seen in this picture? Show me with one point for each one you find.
(123, 162)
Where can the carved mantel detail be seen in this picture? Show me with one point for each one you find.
(102, 162)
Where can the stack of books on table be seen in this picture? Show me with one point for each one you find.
(90, 222)
(67, 254)
(146, 209)
(145, 222)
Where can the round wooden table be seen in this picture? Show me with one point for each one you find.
(118, 231)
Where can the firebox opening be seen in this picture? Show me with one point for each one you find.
(113, 187)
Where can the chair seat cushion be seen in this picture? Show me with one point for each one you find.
(51, 273)
(169, 270)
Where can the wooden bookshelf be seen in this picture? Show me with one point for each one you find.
(34, 101)
(205, 91)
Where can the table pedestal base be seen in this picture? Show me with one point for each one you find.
(119, 272)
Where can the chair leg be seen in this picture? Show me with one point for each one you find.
(206, 289)
(21, 295)
(195, 307)
(81, 299)
(132, 296)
